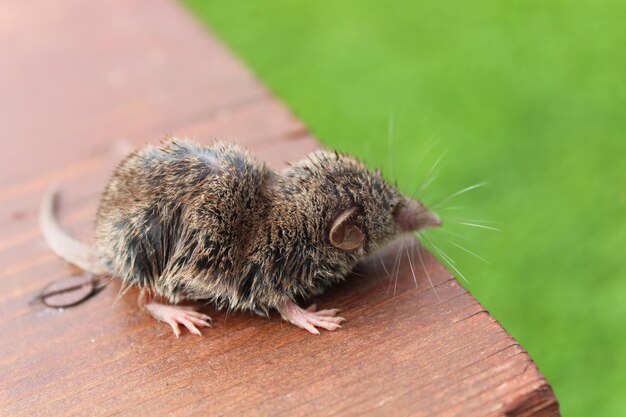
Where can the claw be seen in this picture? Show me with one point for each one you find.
(190, 326)
(174, 327)
(328, 313)
(199, 322)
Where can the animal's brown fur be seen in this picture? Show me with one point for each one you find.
(192, 222)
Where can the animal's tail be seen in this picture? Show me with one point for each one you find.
(63, 244)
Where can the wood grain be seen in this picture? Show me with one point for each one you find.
(81, 84)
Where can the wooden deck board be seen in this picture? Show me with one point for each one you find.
(82, 83)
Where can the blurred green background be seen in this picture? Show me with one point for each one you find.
(528, 96)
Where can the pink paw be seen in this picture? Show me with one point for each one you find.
(175, 315)
(309, 319)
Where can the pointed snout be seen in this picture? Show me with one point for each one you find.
(412, 216)
(431, 219)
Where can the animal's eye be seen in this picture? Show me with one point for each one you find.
(395, 208)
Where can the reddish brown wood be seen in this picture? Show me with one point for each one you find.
(81, 83)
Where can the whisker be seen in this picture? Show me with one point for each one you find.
(427, 179)
(475, 220)
(480, 226)
(451, 196)
(459, 272)
(411, 265)
(470, 252)
(443, 254)
(393, 269)
(120, 294)
(460, 236)
(424, 185)
(384, 266)
(421, 158)
(395, 285)
(419, 254)
(449, 260)
(434, 167)
(390, 140)
(430, 148)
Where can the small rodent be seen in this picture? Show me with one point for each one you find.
(186, 222)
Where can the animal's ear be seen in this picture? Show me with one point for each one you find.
(345, 234)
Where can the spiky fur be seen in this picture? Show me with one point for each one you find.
(192, 222)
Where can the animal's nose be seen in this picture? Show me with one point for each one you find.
(432, 220)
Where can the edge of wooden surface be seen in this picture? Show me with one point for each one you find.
(238, 109)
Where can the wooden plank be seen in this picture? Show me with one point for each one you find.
(81, 83)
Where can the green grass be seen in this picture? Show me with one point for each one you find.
(528, 96)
